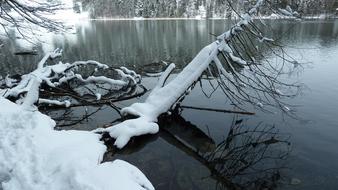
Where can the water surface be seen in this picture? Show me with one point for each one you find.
(313, 154)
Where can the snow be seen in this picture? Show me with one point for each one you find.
(122, 132)
(130, 72)
(101, 79)
(265, 39)
(138, 18)
(202, 13)
(98, 96)
(286, 108)
(36, 157)
(127, 74)
(272, 16)
(288, 13)
(259, 104)
(154, 74)
(285, 12)
(9, 82)
(65, 103)
(279, 92)
(322, 16)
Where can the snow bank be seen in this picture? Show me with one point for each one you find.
(34, 156)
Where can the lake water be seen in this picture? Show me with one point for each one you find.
(310, 143)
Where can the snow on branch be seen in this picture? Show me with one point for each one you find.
(27, 90)
(288, 12)
(65, 103)
(242, 79)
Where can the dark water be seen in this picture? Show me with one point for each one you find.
(310, 143)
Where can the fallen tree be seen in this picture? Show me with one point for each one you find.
(231, 61)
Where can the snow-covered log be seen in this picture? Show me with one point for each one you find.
(255, 84)
(160, 99)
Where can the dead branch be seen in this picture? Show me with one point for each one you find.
(217, 110)
(66, 84)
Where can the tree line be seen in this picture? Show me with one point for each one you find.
(193, 8)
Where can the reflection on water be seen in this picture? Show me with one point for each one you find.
(179, 156)
(135, 43)
(249, 157)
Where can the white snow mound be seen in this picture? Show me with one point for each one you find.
(34, 156)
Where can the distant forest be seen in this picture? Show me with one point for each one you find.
(193, 8)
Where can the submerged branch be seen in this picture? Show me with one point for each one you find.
(218, 110)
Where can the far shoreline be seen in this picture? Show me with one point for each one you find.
(318, 17)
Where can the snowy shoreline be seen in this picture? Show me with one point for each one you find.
(35, 156)
(271, 17)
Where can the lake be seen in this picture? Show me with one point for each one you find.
(177, 157)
